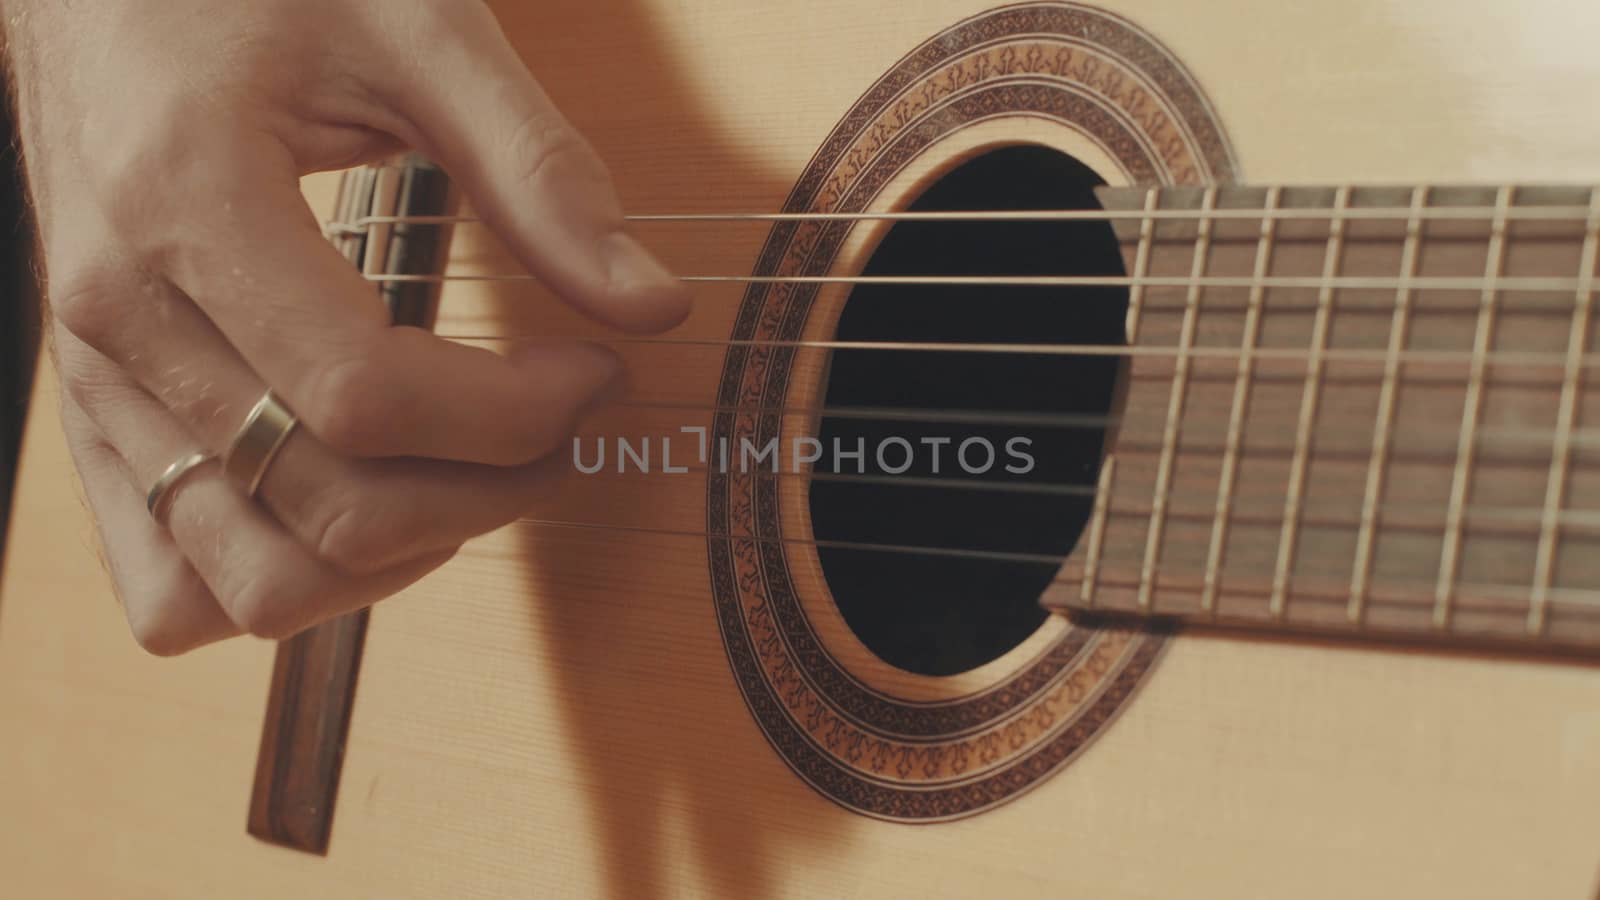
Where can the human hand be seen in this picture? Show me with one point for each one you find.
(164, 140)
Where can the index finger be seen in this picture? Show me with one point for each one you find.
(532, 177)
(251, 256)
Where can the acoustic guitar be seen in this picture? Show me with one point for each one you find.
(1139, 450)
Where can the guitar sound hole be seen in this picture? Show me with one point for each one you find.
(935, 613)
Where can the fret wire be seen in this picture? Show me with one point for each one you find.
(1102, 501)
(1472, 409)
(1288, 537)
(1530, 284)
(1239, 406)
(1361, 572)
(1175, 398)
(1561, 463)
(1369, 213)
(1097, 530)
(1141, 267)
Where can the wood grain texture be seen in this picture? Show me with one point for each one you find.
(552, 713)
(302, 740)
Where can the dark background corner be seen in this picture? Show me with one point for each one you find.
(19, 309)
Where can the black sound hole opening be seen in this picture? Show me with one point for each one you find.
(935, 614)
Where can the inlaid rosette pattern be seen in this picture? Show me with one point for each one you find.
(885, 756)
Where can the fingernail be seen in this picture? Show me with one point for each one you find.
(631, 267)
(605, 374)
(610, 393)
(593, 374)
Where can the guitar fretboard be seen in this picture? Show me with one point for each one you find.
(1367, 410)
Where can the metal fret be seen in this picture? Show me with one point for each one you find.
(1241, 402)
(1561, 463)
(1308, 409)
(1102, 496)
(1361, 574)
(1097, 530)
(1472, 409)
(1141, 265)
(1317, 434)
(1175, 397)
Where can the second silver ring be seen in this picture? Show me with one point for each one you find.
(266, 427)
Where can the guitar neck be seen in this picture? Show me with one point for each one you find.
(1368, 411)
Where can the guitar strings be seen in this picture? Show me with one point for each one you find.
(1203, 504)
(1411, 214)
(1572, 213)
(1539, 437)
(1527, 283)
(1579, 438)
(1502, 358)
(1557, 597)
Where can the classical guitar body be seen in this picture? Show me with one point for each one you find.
(1260, 560)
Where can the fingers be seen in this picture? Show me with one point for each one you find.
(262, 579)
(315, 331)
(529, 173)
(218, 213)
(363, 517)
(168, 607)
(182, 254)
(359, 515)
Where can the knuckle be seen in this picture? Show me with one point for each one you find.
(351, 537)
(541, 436)
(353, 407)
(85, 304)
(90, 385)
(425, 23)
(519, 444)
(544, 147)
(262, 604)
(156, 635)
(151, 174)
(157, 613)
(438, 17)
(128, 153)
(93, 456)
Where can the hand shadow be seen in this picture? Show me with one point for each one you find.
(686, 795)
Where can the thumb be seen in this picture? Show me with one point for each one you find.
(529, 174)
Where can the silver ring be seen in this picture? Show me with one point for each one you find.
(160, 495)
(257, 443)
